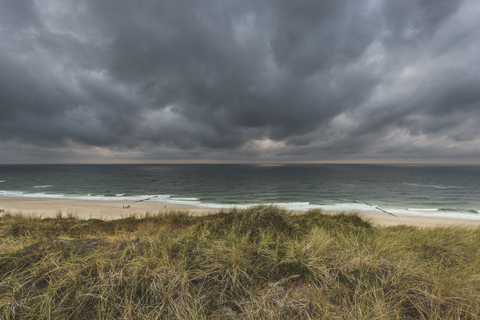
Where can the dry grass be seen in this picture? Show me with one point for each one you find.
(260, 263)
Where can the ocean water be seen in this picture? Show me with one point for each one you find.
(440, 191)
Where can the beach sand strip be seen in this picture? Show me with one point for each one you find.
(48, 207)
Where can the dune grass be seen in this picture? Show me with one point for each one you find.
(259, 263)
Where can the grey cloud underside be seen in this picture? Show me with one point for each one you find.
(328, 79)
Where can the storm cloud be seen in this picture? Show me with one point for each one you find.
(246, 80)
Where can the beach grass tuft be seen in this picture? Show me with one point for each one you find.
(258, 263)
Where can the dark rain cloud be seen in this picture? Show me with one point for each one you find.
(239, 80)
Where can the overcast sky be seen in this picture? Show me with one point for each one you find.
(239, 81)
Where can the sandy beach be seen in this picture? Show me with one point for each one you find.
(114, 210)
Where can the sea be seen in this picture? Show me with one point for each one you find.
(416, 190)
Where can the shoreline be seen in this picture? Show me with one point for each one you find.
(49, 207)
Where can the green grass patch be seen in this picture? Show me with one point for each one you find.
(258, 263)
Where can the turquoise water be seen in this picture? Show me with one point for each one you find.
(442, 191)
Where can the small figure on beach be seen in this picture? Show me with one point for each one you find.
(126, 207)
(2, 210)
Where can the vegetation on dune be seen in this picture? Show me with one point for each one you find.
(259, 263)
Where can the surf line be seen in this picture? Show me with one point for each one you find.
(146, 199)
(378, 208)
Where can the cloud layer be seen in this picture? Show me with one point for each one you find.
(239, 80)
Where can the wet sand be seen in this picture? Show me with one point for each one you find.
(114, 210)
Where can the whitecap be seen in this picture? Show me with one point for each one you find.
(7, 193)
(45, 186)
(431, 186)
